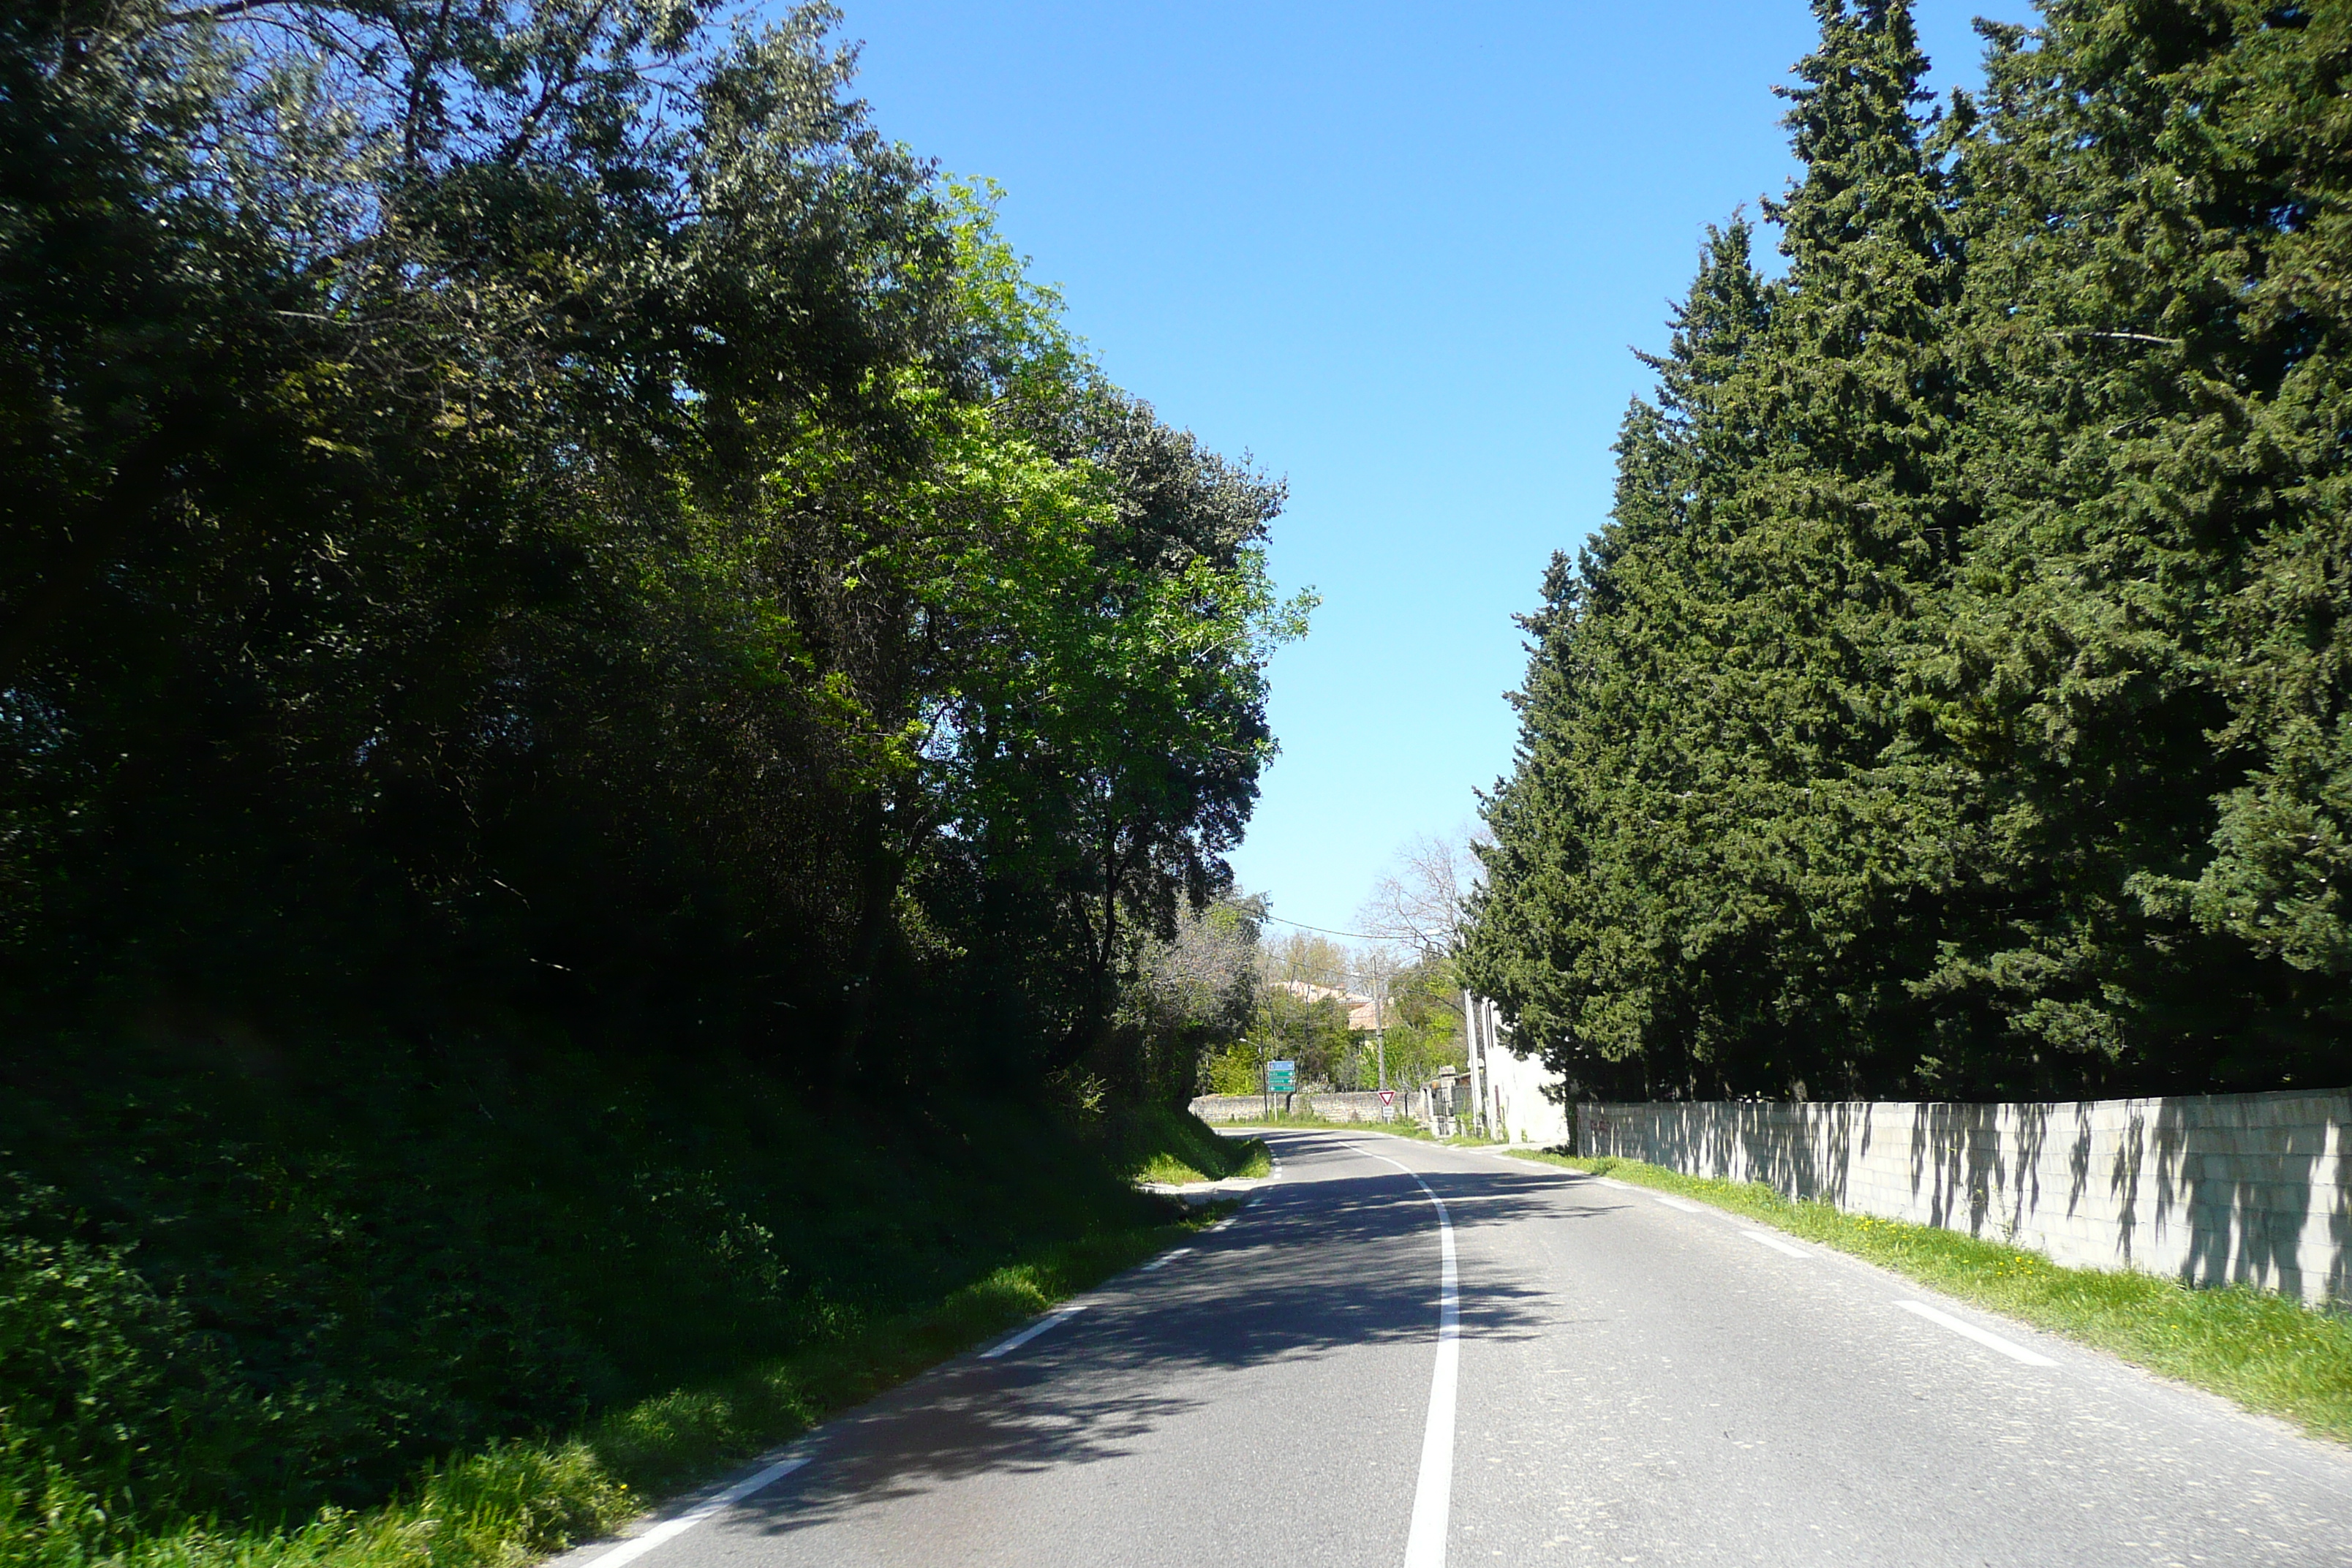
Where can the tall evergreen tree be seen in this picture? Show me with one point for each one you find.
(1810, 798)
(2142, 639)
(1955, 703)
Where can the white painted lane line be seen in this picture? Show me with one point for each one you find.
(1775, 1243)
(1683, 1204)
(2008, 1348)
(1432, 1496)
(670, 1529)
(1050, 1320)
(1165, 1259)
(1612, 1182)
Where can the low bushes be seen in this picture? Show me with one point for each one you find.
(261, 1294)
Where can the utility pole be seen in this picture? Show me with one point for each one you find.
(1379, 1016)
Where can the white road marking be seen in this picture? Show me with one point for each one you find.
(1165, 1259)
(2008, 1348)
(1424, 1545)
(1677, 1204)
(631, 1550)
(1050, 1320)
(1775, 1243)
(1612, 1182)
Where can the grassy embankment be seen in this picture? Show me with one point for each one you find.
(387, 1308)
(1177, 1149)
(2268, 1354)
(519, 1500)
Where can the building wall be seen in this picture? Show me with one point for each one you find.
(2209, 1189)
(1523, 1103)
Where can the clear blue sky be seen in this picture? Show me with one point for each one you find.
(1399, 253)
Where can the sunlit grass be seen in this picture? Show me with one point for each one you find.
(1177, 1148)
(2269, 1354)
(519, 1501)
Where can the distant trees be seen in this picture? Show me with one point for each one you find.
(526, 507)
(1952, 705)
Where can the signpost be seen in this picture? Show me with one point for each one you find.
(1281, 1078)
(1388, 1098)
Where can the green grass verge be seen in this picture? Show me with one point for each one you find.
(2269, 1354)
(520, 1500)
(1305, 1119)
(1178, 1148)
(1404, 1127)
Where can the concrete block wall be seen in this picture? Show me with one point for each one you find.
(2210, 1189)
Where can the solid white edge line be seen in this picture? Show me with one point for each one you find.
(1775, 1243)
(1051, 1319)
(631, 1550)
(1433, 1495)
(2008, 1348)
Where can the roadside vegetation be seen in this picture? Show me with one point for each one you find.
(1311, 995)
(616, 757)
(523, 1498)
(1176, 1147)
(1404, 1127)
(519, 1311)
(2270, 1354)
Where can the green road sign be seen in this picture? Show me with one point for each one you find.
(1281, 1078)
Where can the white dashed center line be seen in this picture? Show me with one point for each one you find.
(1050, 1320)
(2008, 1348)
(1775, 1243)
(630, 1550)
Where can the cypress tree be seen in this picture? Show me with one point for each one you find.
(1735, 818)
(2145, 637)
(1956, 702)
(1826, 801)
(1597, 887)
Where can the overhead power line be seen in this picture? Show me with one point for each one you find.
(1327, 931)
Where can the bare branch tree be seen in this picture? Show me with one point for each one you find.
(1419, 900)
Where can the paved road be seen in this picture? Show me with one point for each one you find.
(1637, 1383)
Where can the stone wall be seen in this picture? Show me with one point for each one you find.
(2210, 1189)
(1330, 1107)
(1234, 1107)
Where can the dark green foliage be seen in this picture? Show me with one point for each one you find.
(262, 1283)
(1947, 710)
(580, 653)
(552, 511)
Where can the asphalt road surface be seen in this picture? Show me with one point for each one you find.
(1634, 1381)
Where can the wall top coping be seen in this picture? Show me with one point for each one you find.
(2319, 1105)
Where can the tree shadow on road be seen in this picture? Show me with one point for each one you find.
(1320, 1266)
